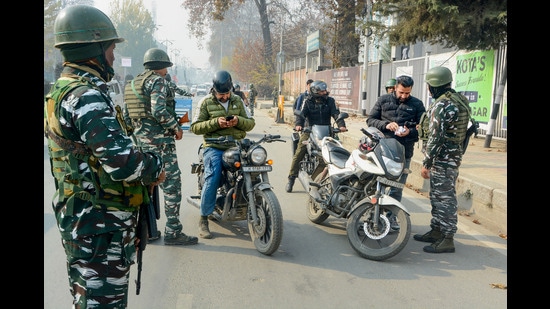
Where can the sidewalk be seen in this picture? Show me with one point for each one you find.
(482, 181)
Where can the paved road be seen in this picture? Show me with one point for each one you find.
(315, 267)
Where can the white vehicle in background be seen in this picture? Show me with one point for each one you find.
(201, 90)
(116, 92)
(193, 89)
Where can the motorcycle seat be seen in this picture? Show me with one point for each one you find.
(338, 155)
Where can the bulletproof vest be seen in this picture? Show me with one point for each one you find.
(458, 134)
(135, 99)
(66, 156)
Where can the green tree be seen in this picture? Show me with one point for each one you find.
(465, 24)
(135, 24)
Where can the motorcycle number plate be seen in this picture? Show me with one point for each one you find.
(261, 168)
(391, 182)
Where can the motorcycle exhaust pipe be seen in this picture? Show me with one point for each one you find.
(313, 191)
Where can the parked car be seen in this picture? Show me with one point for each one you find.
(193, 89)
(201, 90)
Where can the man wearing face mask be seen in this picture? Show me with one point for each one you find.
(220, 113)
(396, 115)
(316, 110)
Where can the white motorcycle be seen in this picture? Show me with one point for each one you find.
(355, 186)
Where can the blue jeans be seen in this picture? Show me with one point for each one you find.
(212, 159)
(398, 193)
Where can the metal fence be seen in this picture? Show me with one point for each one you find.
(378, 73)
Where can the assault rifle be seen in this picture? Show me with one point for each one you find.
(147, 225)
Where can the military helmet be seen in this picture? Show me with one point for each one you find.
(237, 87)
(251, 86)
(83, 24)
(391, 83)
(222, 82)
(439, 76)
(156, 59)
(317, 86)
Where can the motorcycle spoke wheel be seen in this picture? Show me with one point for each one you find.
(314, 211)
(266, 235)
(377, 242)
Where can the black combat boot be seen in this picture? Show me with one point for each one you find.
(431, 236)
(290, 183)
(442, 245)
(204, 231)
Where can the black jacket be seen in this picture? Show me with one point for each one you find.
(388, 109)
(319, 113)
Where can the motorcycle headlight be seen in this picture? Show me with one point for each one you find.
(229, 157)
(394, 168)
(258, 156)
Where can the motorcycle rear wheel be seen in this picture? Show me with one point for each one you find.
(379, 243)
(268, 234)
(314, 211)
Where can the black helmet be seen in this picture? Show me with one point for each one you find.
(156, 59)
(222, 82)
(316, 87)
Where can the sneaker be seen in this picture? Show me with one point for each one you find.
(154, 237)
(393, 223)
(204, 231)
(290, 184)
(181, 240)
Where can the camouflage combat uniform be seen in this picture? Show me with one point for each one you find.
(252, 94)
(156, 132)
(99, 179)
(443, 157)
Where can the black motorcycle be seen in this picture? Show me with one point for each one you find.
(245, 192)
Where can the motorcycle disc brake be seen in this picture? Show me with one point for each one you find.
(381, 231)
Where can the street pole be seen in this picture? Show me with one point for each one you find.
(365, 62)
(281, 58)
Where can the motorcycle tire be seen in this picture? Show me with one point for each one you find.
(267, 235)
(379, 243)
(314, 211)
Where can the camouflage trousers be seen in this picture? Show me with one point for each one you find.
(99, 269)
(251, 106)
(171, 188)
(443, 199)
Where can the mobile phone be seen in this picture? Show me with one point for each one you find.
(229, 117)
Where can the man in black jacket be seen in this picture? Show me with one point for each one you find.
(317, 109)
(396, 114)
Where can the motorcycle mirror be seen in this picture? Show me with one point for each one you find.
(343, 115)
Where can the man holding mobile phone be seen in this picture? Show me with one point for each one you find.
(220, 113)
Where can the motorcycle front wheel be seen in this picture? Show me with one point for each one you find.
(380, 242)
(267, 235)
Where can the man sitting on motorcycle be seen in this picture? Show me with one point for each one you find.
(220, 113)
(317, 110)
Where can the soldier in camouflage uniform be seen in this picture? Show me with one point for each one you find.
(448, 121)
(175, 87)
(252, 94)
(148, 110)
(101, 179)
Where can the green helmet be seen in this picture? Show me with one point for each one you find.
(439, 76)
(391, 83)
(156, 59)
(83, 24)
(251, 86)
